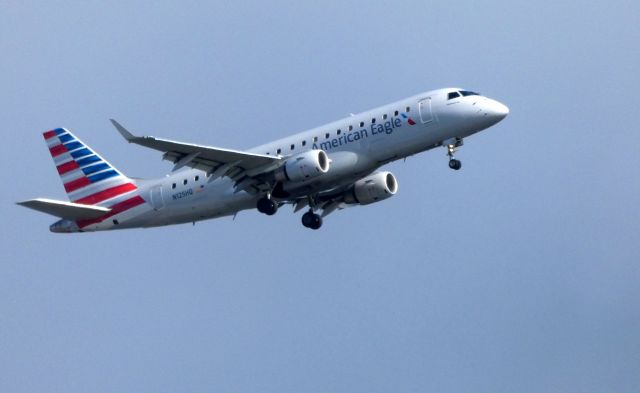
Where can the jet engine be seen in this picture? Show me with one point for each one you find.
(373, 188)
(304, 166)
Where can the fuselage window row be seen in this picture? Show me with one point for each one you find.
(339, 131)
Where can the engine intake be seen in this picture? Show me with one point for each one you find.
(304, 166)
(373, 188)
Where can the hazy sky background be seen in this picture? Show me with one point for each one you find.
(519, 273)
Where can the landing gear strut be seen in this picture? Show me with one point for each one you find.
(267, 206)
(451, 148)
(311, 220)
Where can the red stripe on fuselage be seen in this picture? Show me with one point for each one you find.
(49, 134)
(115, 209)
(67, 167)
(57, 150)
(75, 184)
(106, 194)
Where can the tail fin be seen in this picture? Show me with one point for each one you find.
(87, 178)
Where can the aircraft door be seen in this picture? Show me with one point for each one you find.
(156, 198)
(426, 113)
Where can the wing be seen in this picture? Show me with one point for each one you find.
(68, 210)
(242, 167)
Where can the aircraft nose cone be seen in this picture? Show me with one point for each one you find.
(495, 111)
(501, 110)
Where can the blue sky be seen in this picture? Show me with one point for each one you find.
(517, 273)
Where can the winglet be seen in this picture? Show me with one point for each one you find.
(123, 131)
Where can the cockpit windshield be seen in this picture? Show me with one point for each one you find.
(452, 95)
(463, 93)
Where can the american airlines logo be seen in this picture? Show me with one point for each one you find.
(380, 128)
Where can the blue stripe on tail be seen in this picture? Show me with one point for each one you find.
(81, 153)
(88, 160)
(102, 176)
(66, 138)
(95, 168)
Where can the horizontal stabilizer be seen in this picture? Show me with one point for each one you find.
(68, 210)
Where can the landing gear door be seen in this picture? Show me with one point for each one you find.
(156, 198)
(426, 114)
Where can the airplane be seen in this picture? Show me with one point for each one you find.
(321, 170)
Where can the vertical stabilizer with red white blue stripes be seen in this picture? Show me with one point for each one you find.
(88, 178)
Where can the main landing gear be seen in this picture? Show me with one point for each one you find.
(311, 220)
(267, 206)
(451, 145)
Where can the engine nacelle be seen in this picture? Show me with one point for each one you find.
(304, 166)
(373, 188)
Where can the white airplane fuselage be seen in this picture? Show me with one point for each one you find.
(356, 145)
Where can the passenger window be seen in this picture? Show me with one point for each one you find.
(408, 109)
(197, 178)
(315, 139)
(395, 113)
(350, 128)
(278, 151)
(373, 121)
(384, 117)
(338, 132)
(292, 146)
(173, 185)
(184, 182)
(304, 143)
(326, 135)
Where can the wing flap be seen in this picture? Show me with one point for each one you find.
(62, 209)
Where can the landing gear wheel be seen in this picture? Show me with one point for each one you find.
(455, 164)
(311, 220)
(451, 145)
(267, 206)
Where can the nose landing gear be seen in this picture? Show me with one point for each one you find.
(455, 164)
(451, 145)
